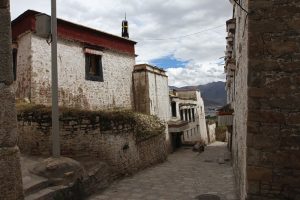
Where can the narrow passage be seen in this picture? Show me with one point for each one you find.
(185, 175)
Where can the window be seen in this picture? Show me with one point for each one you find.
(193, 114)
(14, 56)
(93, 67)
(173, 105)
(181, 114)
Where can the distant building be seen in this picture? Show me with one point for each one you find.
(94, 68)
(187, 122)
(182, 111)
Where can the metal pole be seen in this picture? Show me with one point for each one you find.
(55, 114)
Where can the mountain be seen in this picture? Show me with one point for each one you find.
(213, 94)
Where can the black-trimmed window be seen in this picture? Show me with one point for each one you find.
(15, 62)
(93, 67)
(173, 106)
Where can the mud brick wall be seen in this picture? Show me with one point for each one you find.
(116, 141)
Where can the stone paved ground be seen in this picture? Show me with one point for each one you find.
(184, 176)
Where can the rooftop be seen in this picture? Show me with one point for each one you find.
(72, 31)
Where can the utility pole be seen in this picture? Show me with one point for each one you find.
(55, 112)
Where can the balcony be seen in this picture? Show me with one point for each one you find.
(230, 24)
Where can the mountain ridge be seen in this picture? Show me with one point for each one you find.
(213, 94)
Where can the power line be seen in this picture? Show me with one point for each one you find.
(183, 36)
(241, 6)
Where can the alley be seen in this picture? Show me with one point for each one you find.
(185, 175)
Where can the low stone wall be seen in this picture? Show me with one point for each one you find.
(125, 140)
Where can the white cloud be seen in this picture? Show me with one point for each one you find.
(195, 74)
(155, 19)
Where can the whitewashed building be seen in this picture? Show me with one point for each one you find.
(151, 93)
(187, 123)
(94, 68)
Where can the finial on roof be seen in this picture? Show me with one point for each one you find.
(125, 33)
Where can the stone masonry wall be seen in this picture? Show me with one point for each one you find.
(74, 89)
(273, 141)
(117, 142)
(10, 170)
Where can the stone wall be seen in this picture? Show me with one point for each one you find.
(125, 140)
(74, 90)
(273, 141)
(10, 170)
(266, 141)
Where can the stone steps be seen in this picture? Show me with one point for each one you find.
(39, 188)
(46, 193)
(34, 184)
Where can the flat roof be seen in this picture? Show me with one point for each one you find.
(69, 30)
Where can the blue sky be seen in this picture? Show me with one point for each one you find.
(168, 62)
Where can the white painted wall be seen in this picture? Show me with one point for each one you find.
(211, 130)
(23, 81)
(159, 96)
(74, 90)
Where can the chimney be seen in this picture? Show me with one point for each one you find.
(125, 33)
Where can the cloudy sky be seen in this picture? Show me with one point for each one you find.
(185, 37)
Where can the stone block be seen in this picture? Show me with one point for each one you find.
(293, 119)
(259, 173)
(6, 74)
(253, 187)
(8, 117)
(10, 176)
(266, 116)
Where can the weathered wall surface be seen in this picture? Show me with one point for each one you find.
(74, 90)
(159, 96)
(117, 142)
(151, 94)
(201, 115)
(23, 81)
(239, 135)
(273, 141)
(211, 131)
(141, 93)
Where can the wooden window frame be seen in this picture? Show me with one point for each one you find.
(99, 69)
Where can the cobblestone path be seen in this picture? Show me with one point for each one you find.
(185, 175)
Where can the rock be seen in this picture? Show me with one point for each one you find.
(198, 147)
(66, 170)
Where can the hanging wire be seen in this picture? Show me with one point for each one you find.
(241, 6)
(183, 36)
